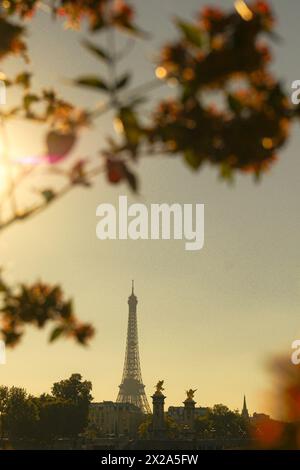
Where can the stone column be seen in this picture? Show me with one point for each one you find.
(158, 421)
(189, 414)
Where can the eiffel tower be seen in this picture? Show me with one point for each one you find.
(132, 389)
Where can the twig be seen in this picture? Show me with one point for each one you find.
(8, 165)
(145, 88)
(37, 208)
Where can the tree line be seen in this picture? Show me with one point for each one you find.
(61, 414)
(218, 422)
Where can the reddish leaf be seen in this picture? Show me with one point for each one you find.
(59, 145)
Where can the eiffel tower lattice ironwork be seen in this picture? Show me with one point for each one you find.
(132, 389)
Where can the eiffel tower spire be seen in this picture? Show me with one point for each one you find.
(132, 389)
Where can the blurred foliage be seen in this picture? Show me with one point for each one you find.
(39, 305)
(220, 53)
(283, 433)
(227, 109)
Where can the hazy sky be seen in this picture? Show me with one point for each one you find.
(208, 320)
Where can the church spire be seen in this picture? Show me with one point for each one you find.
(132, 287)
(245, 413)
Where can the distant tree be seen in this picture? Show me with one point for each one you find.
(73, 389)
(4, 395)
(92, 431)
(64, 414)
(145, 427)
(60, 419)
(75, 396)
(171, 427)
(21, 416)
(221, 423)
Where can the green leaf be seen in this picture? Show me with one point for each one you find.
(56, 333)
(131, 180)
(97, 51)
(60, 144)
(192, 33)
(98, 25)
(10, 33)
(234, 104)
(123, 81)
(192, 159)
(3, 286)
(132, 129)
(128, 117)
(226, 173)
(48, 195)
(29, 99)
(23, 79)
(257, 176)
(135, 30)
(92, 82)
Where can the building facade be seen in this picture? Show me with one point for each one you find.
(115, 419)
(177, 413)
